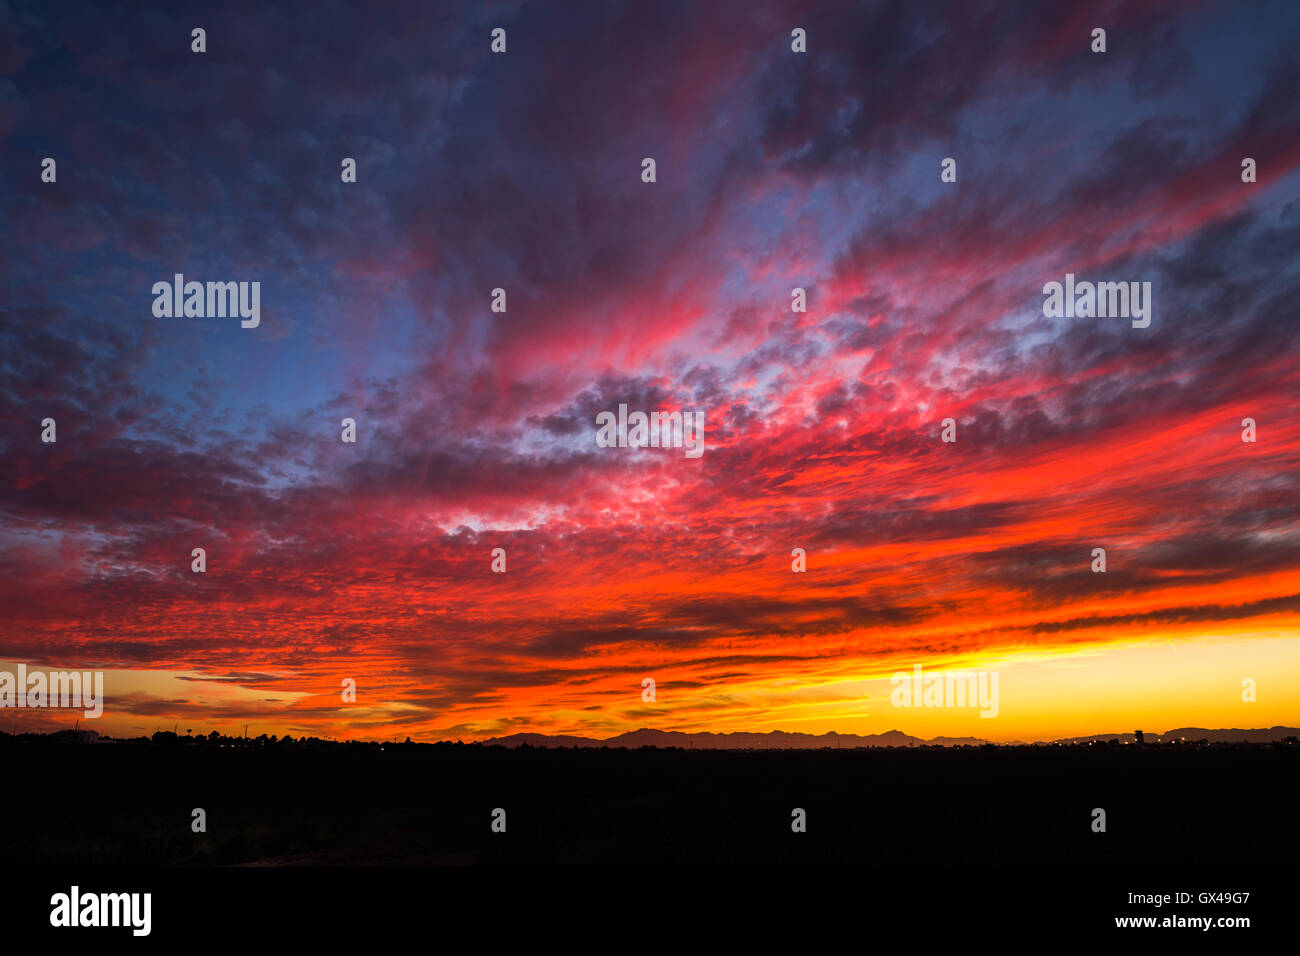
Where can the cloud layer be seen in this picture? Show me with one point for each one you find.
(476, 430)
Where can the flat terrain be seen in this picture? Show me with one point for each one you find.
(414, 805)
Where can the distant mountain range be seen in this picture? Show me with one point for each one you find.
(780, 740)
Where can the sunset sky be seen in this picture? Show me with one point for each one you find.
(476, 430)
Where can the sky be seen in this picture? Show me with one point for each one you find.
(476, 430)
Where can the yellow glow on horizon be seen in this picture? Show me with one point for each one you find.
(1044, 693)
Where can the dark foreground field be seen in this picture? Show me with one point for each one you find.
(130, 805)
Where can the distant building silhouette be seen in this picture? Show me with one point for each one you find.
(1138, 735)
(77, 736)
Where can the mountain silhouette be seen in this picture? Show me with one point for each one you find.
(740, 740)
(782, 740)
